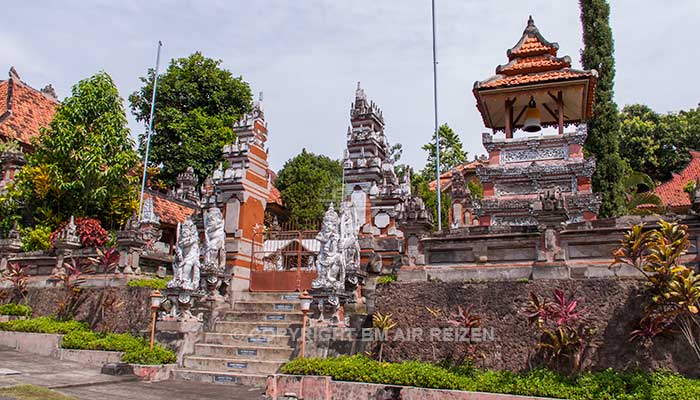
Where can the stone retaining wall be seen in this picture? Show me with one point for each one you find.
(613, 305)
(287, 387)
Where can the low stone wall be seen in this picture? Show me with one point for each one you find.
(90, 357)
(613, 305)
(130, 313)
(43, 344)
(289, 387)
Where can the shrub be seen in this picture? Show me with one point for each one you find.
(386, 279)
(42, 325)
(153, 283)
(15, 309)
(607, 384)
(89, 230)
(136, 350)
(37, 238)
(77, 336)
(144, 356)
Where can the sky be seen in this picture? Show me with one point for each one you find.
(307, 56)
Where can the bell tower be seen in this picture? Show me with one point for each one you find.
(528, 174)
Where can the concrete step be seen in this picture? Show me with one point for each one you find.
(292, 297)
(256, 316)
(243, 352)
(235, 365)
(257, 339)
(224, 378)
(266, 306)
(252, 328)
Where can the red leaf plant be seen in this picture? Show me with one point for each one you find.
(89, 230)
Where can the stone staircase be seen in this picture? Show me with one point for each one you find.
(247, 342)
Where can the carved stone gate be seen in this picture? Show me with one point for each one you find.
(284, 261)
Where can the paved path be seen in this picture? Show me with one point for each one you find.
(88, 383)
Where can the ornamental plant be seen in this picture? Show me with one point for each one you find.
(565, 335)
(672, 289)
(384, 323)
(89, 230)
(71, 279)
(16, 275)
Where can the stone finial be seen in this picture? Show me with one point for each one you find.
(148, 214)
(50, 92)
(13, 74)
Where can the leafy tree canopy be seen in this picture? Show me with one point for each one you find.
(82, 162)
(452, 153)
(657, 144)
(196, 105)
(307, 183)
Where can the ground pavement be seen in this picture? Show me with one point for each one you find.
(86, 382)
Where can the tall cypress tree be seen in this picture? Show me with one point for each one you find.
(604, 126)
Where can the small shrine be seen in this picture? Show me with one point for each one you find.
(531, 175)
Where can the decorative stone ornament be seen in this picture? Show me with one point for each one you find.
(186, 264)
(330, 264)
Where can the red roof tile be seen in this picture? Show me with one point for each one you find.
(446, 177)
(275, 196)
(170, 211)
(24, 110)
(533, 60)
(671, 192)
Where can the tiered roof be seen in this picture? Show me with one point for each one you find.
(533, 64)
(24, 110)
(533, 60)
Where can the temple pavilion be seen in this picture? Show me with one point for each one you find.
(535, 174)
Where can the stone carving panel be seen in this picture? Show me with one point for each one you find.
(547, 153)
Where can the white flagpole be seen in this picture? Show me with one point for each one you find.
(150, 130)
(437, 131)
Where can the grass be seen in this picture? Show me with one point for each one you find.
(31, 392)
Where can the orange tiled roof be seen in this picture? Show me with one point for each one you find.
(533, 60)
(446, 177)
(275, 196)
(170, 211)
(671, 192)
(23, 110)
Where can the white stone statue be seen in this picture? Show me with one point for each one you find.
(148, 215)
(214, 236)
(186, 263)
(330, 265)
(349, 244)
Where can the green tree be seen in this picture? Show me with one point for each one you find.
(604, 126)
(307, 183)
(82, 162)
(421, 187)
(196, 105)
(657, 144)
(451, 152)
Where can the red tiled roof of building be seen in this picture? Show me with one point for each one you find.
(23, 110)
(275, 196)
(170, 211)
(672, 193)
(446, 177)
(533, 60)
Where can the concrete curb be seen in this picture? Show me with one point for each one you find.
(323, 387)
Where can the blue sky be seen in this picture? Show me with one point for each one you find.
(307, 56)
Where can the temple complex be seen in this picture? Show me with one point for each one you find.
(527, 174)
(383, 202)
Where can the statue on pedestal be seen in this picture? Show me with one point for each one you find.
(330, 263)
(186, 264)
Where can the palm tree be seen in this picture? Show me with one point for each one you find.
(641, 199)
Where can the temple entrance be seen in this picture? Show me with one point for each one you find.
(284, 261)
